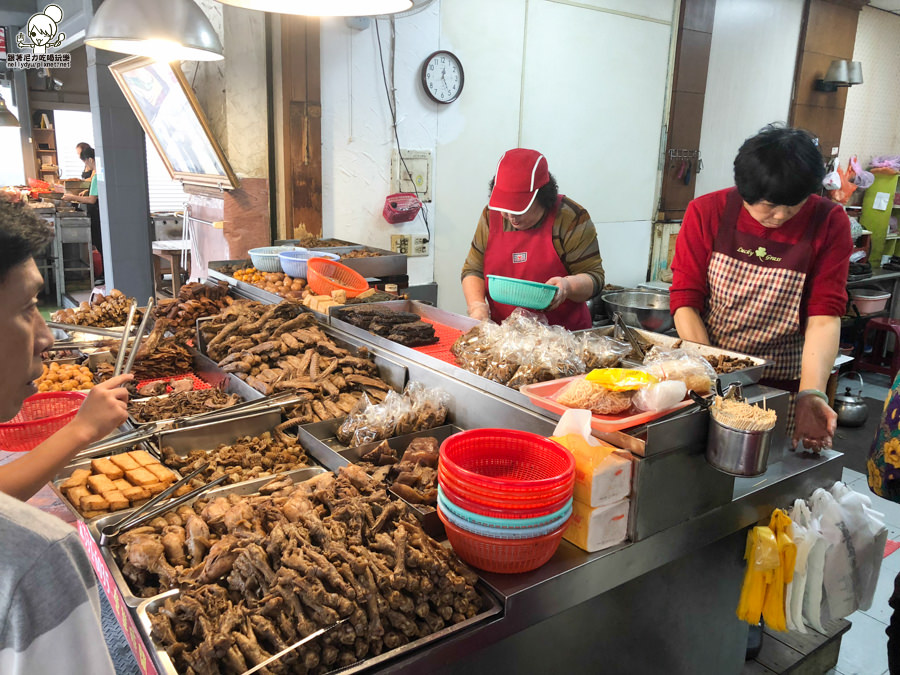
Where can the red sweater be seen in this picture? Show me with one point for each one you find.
(825, 292)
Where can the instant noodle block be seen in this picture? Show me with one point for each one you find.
(602, 472)
(593, 529)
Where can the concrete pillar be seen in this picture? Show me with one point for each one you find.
(122, 182)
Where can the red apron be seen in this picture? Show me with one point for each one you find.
(529, 255)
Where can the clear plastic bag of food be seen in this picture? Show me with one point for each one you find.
(660, 396)
(349, 426)
(601, 351)
(379, 421)
(678, 364)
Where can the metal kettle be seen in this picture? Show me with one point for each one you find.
(851, 408)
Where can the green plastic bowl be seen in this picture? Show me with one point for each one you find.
(521, 293)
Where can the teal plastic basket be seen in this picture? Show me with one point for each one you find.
(521, 293)
(506, 523)
(506, 532)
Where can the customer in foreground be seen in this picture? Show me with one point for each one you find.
(49, 603)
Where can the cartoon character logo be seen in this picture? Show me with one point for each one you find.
(761, 253)
(42, 29)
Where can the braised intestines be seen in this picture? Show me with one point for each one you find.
(280, 347)
(181, 404)
(258, 573)
(194, 301)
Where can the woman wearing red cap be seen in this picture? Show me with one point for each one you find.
(529, 231)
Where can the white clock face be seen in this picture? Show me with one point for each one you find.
(443, 77)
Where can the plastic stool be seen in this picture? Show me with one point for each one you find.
(875, 335)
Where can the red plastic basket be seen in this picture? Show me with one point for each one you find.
(504, 556)
(498, 499)
(324, 276)
(41, 416)
(506, 460)
(401, 207)
(510, 510)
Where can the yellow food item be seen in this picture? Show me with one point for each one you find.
(621, 379)
(64, 377)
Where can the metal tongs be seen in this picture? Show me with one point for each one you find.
(147, 511)
(294, 646)
(629, 334)
(136, 344)
(734, 391)
(92, 330)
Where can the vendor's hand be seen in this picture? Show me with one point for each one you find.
(561, 283)
(814, 423)
(84, 193)
(105, 408)
(479, 311)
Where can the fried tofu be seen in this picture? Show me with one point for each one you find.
(156, 488)
(121, 484)
(141, 476)
(76, 494)
(94, 503)
(136, 494)
(163, 474)
(117, 500)
(92, 514)
(143, 458)
(78, 478)
(124, 461)
(107, 468)
(99, 484)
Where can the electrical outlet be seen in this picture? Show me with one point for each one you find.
(400, 243)
(419, 246)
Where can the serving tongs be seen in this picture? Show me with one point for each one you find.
(153, 508)
(630, 335)
(150, 429)
(122, 365)
(92, 330)
(299, 643)
(733, 391)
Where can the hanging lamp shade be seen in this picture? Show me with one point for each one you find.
(854, 73)
(324, 7)
(838, 73)
(167, 30)
(7, 119)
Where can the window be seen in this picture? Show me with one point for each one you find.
(12, 168)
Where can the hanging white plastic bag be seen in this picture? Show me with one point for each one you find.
(805, 537)
(832, 180)
(868, 536)
(815, 572)
(839, 580)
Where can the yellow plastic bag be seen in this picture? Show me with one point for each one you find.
(620, 379)
(762, 558)
(773, 605)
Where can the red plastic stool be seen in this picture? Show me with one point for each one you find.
(877, 361)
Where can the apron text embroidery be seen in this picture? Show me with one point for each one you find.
(760, 253)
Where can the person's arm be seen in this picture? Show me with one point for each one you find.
(814, 421)
(690, 325)
(81, 199)
(575, 287)
(105, 408)
(476, 305)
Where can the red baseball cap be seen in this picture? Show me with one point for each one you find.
(520, 174)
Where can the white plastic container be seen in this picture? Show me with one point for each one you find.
(869, 300)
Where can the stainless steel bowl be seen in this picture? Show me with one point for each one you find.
(641, 309)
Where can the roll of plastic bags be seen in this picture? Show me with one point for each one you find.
(868, 536)
(805, 537)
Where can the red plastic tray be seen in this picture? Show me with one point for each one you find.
(543, 394)
(441, 349)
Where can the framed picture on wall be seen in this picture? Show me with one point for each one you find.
(171, 116)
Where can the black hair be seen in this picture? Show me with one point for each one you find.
(780, 165)
(546, 194)
(85, 151)
(22, 236)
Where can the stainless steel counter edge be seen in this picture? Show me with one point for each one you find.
(572, 576)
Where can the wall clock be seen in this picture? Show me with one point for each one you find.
(442, 76)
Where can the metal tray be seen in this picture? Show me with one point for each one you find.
(385, 264)
(320, 442)
(86, 464)
(750, 375)
(491, 608)
(246, 488)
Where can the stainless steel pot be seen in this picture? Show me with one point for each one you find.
(737, 452)
(851, 408)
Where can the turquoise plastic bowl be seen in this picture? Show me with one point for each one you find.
(294, 262)
(506, 532)
(507, 523)
(521, 293)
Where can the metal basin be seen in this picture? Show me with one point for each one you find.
(641, 309)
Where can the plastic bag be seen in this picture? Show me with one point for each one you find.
(621, 379)
(774, 603)
(861, 178)
(659, 396)
(832, 180)
(839, 587)
(600, 351)
(593, 396)
(761, 554)
(678, 364)
(842, 193)
(805, 538)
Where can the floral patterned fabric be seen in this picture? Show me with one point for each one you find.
(884, 457)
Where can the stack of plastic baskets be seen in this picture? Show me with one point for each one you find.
(505, 497)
